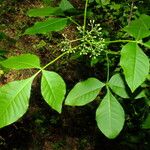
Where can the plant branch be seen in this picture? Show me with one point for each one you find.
(120, 41)
(107, 59)
(131, 12)
(144, 44)
(51, 62)
(85, 15)
(72, 20)
(54, 60)
(107, 52)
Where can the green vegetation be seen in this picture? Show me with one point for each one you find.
(124, 54)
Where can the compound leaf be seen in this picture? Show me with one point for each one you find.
(110, 116)
(84, 92)
(51, 24)
(53, 89)
(117, 84)
(47, 11)
(135, 65)
(14, 100)
(23, 61)
(139, 28)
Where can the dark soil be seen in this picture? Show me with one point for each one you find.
(41, 128)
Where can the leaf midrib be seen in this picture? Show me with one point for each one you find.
(11, 101)
(44, 76)
(134, 66)
(85, 93)
(28, 65)
(109, 110)
(37, 27)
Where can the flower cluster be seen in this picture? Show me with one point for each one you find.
(66, 45)
(93, 42)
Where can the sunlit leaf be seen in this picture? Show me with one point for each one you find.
(51, 24)
(23, 61)
(84, 92)
(46, 11)
(139, 28)
(110, 116)
(53, 89)
(65, 5)
(135, 65)
(14, 100)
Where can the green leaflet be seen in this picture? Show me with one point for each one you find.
(139, 28)
(84, 92)
(14, 100)
(23, 61)
(53, 89)
(135, 65)
(117, 84)
(51, 24)
(47, 11)
(65, 5)
(110, 116)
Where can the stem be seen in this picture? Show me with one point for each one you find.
(113, 52)
(72, 20)
(51, 62)
(107, 58)
(131, 12)
(85, 15)
(144, 44)
(75, 40)
(119, 41)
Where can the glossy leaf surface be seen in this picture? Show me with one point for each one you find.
(139, 28)
(53, 89)
(14, 100)
(110, 116)
(84, 92)
(65, 5)
(23, 61)
(135, 65)
(51, 24)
